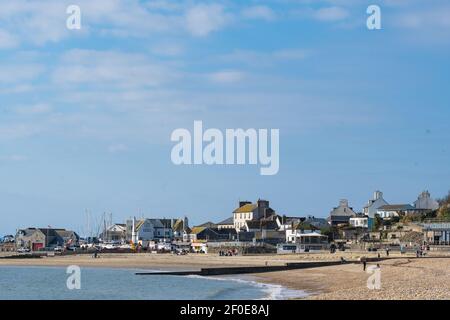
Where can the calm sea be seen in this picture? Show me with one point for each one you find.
(49, 283)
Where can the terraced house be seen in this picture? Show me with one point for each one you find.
(248, 211)
(36, 239)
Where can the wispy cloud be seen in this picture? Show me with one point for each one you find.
(7, 40)
(203, 19)
(117, 148)
(331, 14)
(422, 24)
(14, 73)
(13, 158)
(227, 76)
(110, 68)
(262, 59)
(40, 108)
(259, 12)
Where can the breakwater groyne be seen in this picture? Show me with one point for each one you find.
(250, 269)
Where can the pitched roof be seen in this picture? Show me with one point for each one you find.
(178, 225)
(197, 230)
(262, 224)
(166, 223)
(208, 224)
(304, 226)
(342, 211)
(67, 234)
(246, 208)
(229, 220)
(139, 224)
(29, 231)
(156, 223)
(395, 207)
(290, 220)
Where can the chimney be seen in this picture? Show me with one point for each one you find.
(377, 195)
(343, 203)
(263, 204)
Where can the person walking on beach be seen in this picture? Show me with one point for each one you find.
(387, 252)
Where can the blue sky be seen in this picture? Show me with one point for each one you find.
(86, 115)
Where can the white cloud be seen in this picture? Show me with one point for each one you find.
(18, 131)
(170, 49)
(39, 22)
(13, 158)
(263, 59)
(106, 68)
(331, 14)
(204, 19)
(428, 18)
(40, 108)
(117, 148)
(19, 73)
(227, 76)
(7, 41)
(259, 12)
(428, 26)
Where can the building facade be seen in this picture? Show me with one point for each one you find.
(374, 204)
(425, 202)
(359, 222)
(36, 239)
(395, 210)
(341, 214)
(248, 211)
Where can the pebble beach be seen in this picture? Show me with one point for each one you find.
(403, 277)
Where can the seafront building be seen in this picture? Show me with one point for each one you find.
(257, 227)
(248, 211)
(341, 214)
(437, 233)
(359, 221)
(226, 224)
(142, 231)
(425, 202)
(395, 210)
(35, 239)
(116, 233)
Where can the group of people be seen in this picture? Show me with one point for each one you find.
(228, 253)
(420, 252)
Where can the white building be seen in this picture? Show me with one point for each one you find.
(144, 230)
(305, 242)
(115, 233)
(248, 211)
(372, 205)
(226, 224)
(359, 221)
(295, 231)
(395, 210)
(286, 223)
